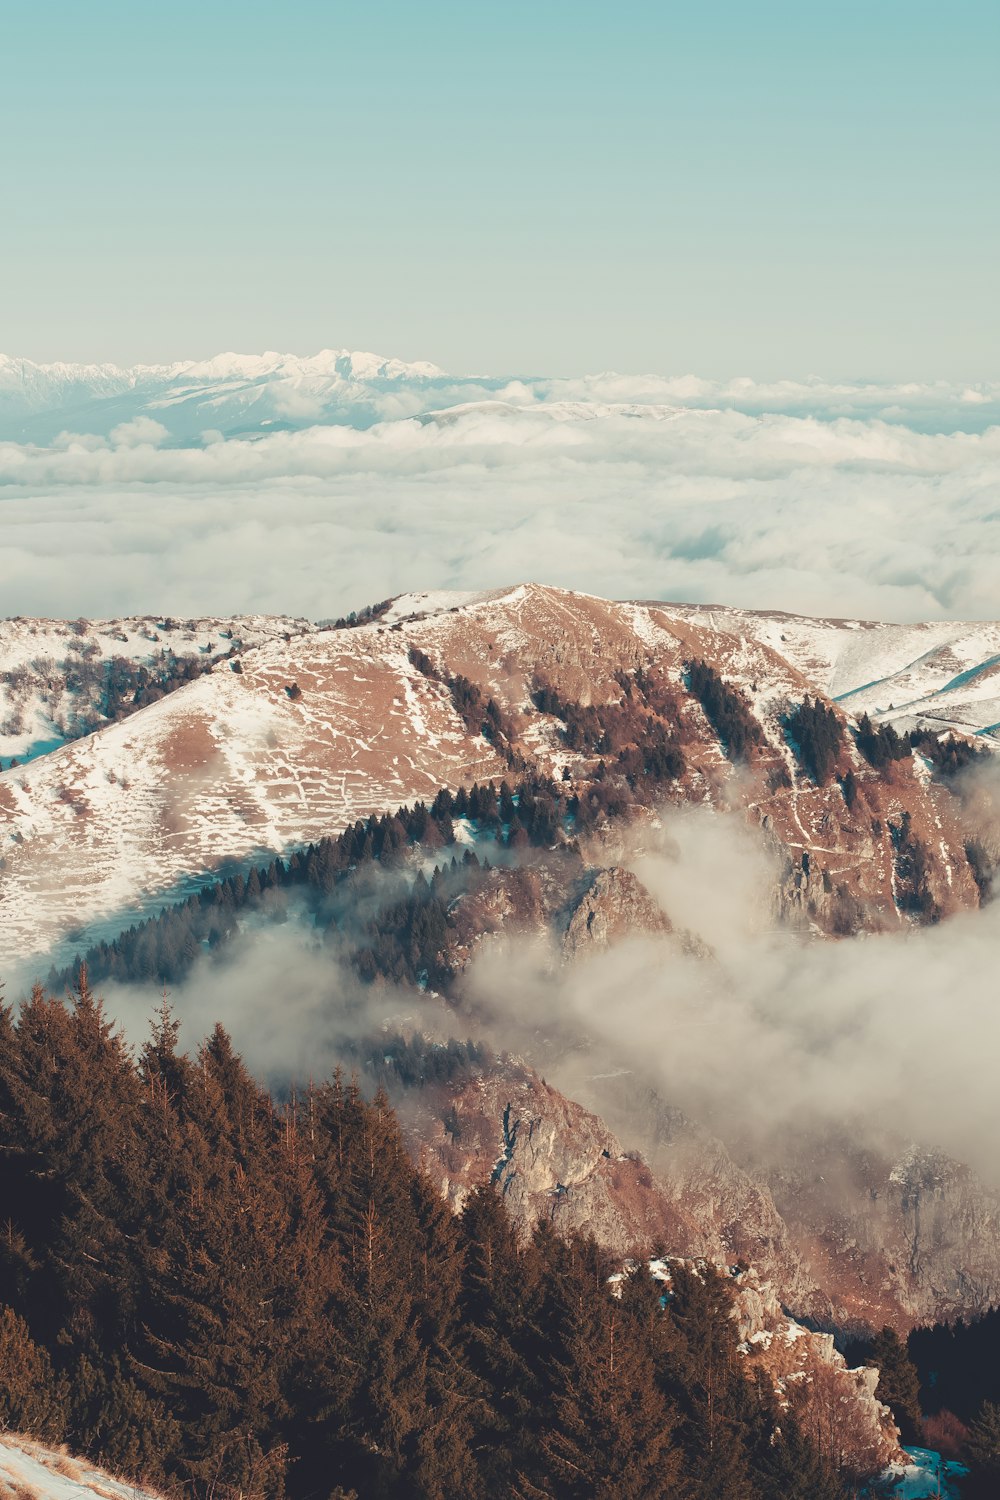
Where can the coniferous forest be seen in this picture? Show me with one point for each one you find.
(226, 1297)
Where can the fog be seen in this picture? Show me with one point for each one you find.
(777, 1031)
(292, 1008)
(755, 1030)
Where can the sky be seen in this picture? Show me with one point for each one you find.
(769, 189)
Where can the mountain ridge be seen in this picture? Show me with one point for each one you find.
(303, 736)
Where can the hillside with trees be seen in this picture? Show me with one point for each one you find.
(224, 1295)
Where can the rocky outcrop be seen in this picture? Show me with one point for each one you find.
(554, 1159)
(615, 904)
(849, 1238)
(551, 1159)
(837, 1406)
(900, 1238)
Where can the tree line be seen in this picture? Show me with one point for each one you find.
(533, 813)
(639, 737)
(727, 710)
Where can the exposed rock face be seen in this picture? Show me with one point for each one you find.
(900, 1240)
(552, 1159)
(846, 1237)
(839, 1407)
(615, 904)
(520, 899)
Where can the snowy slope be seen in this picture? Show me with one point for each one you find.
(32, 1471)
(229, 767)
(935, 675)
(40, 709)
(250, 393)
(238, 766)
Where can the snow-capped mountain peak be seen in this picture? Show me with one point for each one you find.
(229, 392)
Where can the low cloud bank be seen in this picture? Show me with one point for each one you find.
(290, 1006)
(892, 1036)
(841, 516)
(773, 1032)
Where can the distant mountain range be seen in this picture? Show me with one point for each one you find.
(253, 394)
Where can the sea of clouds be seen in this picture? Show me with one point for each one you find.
(299, 488)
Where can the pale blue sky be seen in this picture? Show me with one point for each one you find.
(773, 188)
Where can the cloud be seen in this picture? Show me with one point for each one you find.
(323, 521)
(616, 485)
(139, 432)
(888, 1039)
(290, 1006)
(891, 1035)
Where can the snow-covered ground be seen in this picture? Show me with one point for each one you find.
(937, 675)
(31, 1471)
(230, 767)
(925, 1477)
(38, 712)
(231, 393)
(326, 726)
(245, 393)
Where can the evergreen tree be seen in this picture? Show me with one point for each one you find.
(788, 1467)
(898, 1382)
(983, 1448)
(32, 1400)
(612, 1429)
(499, 1311)
(700, 1368)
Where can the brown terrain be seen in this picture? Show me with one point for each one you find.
(316, 731)
(333, 725)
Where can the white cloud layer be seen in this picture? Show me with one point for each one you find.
(856, 500)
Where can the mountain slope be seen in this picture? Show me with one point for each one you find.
(251, 392)
(938, 674)
(61, 679)
(300, 737)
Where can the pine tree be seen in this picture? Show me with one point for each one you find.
(611, 1435)
(217, 1271)
(379, 1379)
(69, 1103)
(789, 1467)
(504, 1347)
(983, 1448)
(32, 1400)
(118, 1424)
(898, 1382)
(699, 1366)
